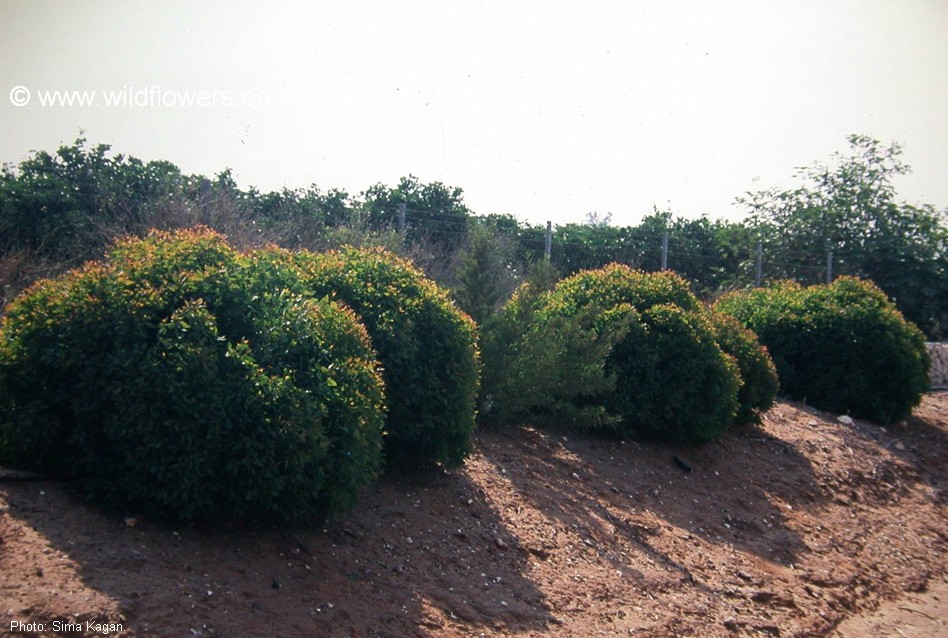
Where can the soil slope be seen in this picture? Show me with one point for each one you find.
(787, 529)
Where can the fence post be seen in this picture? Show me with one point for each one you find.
(758, 270)
(829, 267)
(548, 241)
(665, 251)
(401, 218)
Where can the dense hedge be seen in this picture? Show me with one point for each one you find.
(673, 382)
(182, 379)
(617, 284)
(427, 347)
(842, 347)
(759, 381)
(639, 346)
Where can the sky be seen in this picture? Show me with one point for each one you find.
(543, 110)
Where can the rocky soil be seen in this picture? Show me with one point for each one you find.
(793, 528)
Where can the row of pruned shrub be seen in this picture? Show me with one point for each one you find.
(183, 379)
(630, 352)
(638, 355)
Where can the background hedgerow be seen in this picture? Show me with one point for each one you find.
(842, 347)
(59, 209)
(427, 347)
(182, 379)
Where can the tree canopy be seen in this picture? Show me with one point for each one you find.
(63, 208)
(850, 208)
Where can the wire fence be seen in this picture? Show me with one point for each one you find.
(751, 264)
(711, 265)
(714, 257)
(437, 239)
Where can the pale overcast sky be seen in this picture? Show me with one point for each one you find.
(546, 110)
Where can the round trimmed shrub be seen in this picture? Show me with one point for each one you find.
(842, 347)
(673, 382)
(759, 382)
(427, 347)
(184, 380)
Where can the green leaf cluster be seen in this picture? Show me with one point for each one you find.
(842, 347)
(631, 352)
(427, 348)
(182, 379)
(851, 208)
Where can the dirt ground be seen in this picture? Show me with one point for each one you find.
(805, 526)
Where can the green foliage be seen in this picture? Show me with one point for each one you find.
(427, 348)
(851, 208)
(182, 379)
(843, 347)
(332, 209)
(710, 254)
(433, 212)
(57, 202)
(618, 284)
(674, 383)
(68, 205)
(60, 209)
(484, 274)
(627, 351)
(759, 382)
(537, 365)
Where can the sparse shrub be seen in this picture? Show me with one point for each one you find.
(842, 347)
(427, 347)
(759, 383)
(540, 366)
(484, 274)
(182, 379)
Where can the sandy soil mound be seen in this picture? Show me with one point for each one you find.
(783, 530)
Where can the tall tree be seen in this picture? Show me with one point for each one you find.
(850, 207)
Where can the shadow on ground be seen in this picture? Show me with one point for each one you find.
(786, 527)
(373, 574)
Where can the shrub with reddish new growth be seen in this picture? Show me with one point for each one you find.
(427, 347)
(842, 347)
(181, 379)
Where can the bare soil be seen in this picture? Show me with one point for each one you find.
(793, 528)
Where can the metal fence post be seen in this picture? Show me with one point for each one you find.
(829, 267)
(665, 251)
(401, 218)
(548, 242)
(758, 270)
